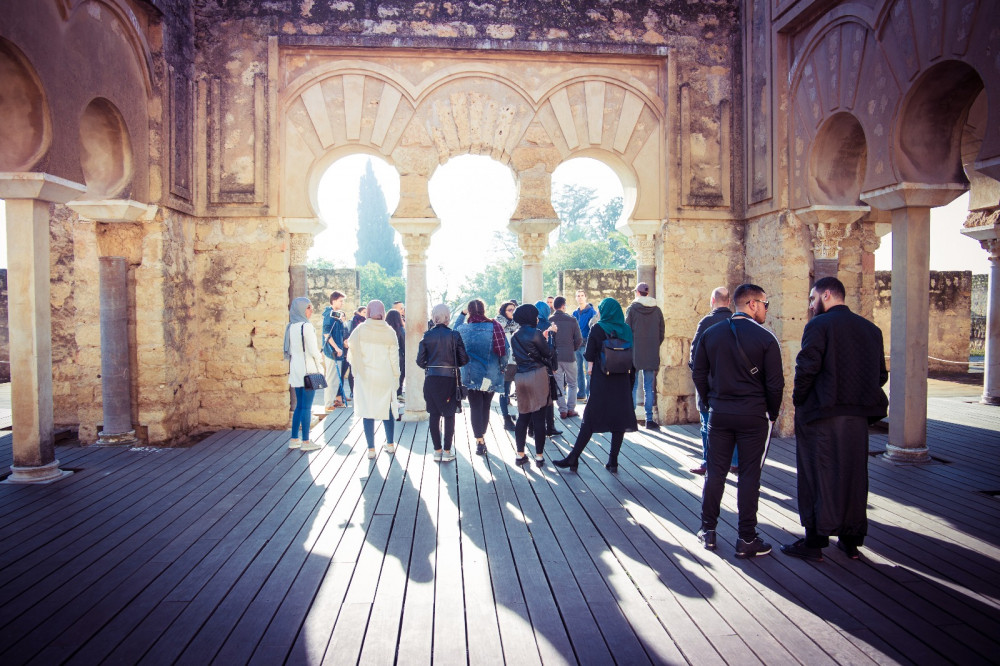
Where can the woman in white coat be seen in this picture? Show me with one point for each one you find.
(374, 352)
(304, 357)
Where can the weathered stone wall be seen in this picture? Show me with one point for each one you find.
(324, 281)
(4, 331)
(67, 288)
(950, 321)
(599, 284)
(980, 294)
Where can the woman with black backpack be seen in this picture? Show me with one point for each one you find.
(609, 409)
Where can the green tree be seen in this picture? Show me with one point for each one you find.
(377, 284)
(498, 282)
(581, 253)
(375, 236)
(574, 205)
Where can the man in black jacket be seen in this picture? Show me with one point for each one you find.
(839, 376)
(737, 370)
(720, 312)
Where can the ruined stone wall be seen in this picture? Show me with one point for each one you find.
(599, 284)
(4, 331)
(980, 294)
(241, 282)
(324, 281)
(70, 293)
(950, 318)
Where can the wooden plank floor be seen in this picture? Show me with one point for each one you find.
(237, 550)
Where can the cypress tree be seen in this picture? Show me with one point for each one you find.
(375, 236)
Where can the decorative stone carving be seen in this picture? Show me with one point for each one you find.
(300, 244)
(416, 246)
(828, 226)
(645, 249)
(533, 246)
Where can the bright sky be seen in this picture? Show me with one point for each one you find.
(474, 196)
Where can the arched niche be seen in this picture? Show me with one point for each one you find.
(105, 150)
(25, 127)
(931, 123)
(837, 162)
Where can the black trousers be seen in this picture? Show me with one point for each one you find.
(449, 428)
(479, 411)
(586, 432)
(748, 435)
(537, 420)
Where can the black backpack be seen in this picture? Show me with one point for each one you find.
(616, 356)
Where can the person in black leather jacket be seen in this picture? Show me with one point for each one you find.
(534, 358)
(440, 354)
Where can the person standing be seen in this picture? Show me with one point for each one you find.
(505, 317)
(568, 340)
(395, 321)
(375, 361)
(545, 326)
(839, 375)
(719, 302)
(333, 350)
(645, 319)
(611, 408)
(737, 368)
(441, 354)
(533, 356)
(303, 355)
(583, 314)
(488, 349)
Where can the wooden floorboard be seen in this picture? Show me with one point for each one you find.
(237, 550)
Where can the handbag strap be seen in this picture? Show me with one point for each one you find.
(305, 356)
(746, 359)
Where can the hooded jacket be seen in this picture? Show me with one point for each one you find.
(646, 320)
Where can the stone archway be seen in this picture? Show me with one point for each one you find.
(417, 110)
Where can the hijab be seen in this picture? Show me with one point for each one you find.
(509, 325)
(376, 310)
(296, 315)
(543, 315)
(613, 320)
(526, 315)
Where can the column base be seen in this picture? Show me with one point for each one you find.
(899, 454)
(36, 475)
(415, 415)
(990, 400)
(127, 438)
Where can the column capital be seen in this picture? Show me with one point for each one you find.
(114, 210)
(299, 248)
(923, 195)
(984, 226)
(829, 226)
(416, 234)
(645, 248)
(40, 186)
(533, 237)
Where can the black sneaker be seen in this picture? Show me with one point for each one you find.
(851, 551)
(707, 537)
(752, 548)
(801, 550)
(652, 425)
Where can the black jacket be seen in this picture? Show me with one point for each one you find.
(531, 350)
(841, 368)
(725, 380)
(441, 351)
(707, 322)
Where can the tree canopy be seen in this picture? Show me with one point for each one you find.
(375, 236)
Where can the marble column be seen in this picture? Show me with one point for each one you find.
(910, 204)
(984, 226)
(28, 197)
(642, 236)
(532, 279)
(828, 227)
(416, 234)
(116, 379)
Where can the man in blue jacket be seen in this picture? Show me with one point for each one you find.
(333, 350)
(583, 314)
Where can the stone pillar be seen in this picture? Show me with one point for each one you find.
(28, 196)
(642, 235)
(910, 204)
(984, 226)
(298, 282)
(828, 226)
(416, 235)
(532, 238)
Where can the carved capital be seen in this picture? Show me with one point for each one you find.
(992, 247)
(533, 246)
(416, 246)
(645, 249)
(828, 226)
(299, 246)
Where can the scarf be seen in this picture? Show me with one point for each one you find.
(498, 337)
(296, 315)
(613, 320)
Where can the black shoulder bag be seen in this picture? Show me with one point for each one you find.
(461, 393)
(746, 359)
(315, 380)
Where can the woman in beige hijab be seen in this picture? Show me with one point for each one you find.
(375, 362)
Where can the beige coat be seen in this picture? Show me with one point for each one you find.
(374, 356)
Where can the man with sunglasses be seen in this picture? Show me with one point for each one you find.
(839, 374)
(737, 371)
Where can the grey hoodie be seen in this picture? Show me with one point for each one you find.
(646, 320)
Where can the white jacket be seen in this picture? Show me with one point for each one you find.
(304, 361)
(374, 356)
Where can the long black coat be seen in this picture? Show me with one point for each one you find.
(609, 407)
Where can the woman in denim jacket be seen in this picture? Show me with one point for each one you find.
(488, 350)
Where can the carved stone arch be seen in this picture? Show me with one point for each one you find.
(25, 121)
(132, 30)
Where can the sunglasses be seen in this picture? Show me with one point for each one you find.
(765, 303)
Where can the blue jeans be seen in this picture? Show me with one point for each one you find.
(389, 425)
(302, 413)
(648, 377)
(582, 380)
(704, 442)
(505, 399)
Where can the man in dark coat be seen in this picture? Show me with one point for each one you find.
(839, 374)
(645, 319)
(737, 370)
(719, 303)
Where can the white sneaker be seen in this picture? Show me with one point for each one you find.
(294, 443)
(438, 455)
(390, 447)
(448, 455)
(309, 445)
(371, 453)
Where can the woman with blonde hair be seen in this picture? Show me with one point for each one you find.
(303, 355)
(375, 361)
(441, 354)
